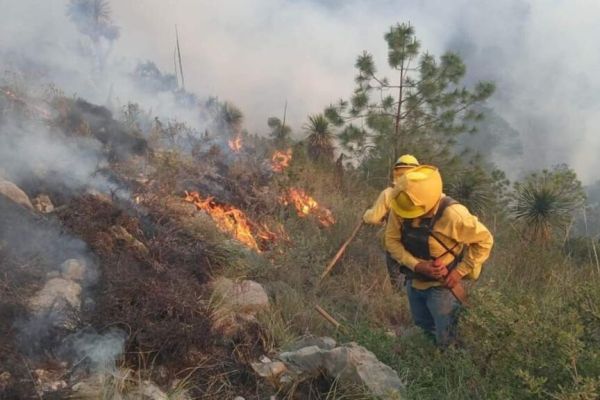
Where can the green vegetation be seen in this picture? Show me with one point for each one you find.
(534, 328)
(422, 111)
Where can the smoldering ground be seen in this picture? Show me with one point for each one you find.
(34, 250)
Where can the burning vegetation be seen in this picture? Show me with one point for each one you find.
(235, 144)
(306, 206)
(281, 160)
(232, 221)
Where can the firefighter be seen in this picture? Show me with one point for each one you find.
(377, 214)
(438, 243)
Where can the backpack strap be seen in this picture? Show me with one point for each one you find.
(445, 202)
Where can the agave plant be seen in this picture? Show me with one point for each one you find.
(232, 116)
(482, 192)
(545, 202)
(93, 18)
(320, 137)
(279, 131)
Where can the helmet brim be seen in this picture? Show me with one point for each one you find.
(412, 213)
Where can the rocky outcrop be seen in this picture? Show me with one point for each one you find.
(350, 364)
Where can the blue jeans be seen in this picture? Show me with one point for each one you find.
(434, 310)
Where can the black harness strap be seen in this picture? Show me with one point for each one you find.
(415, 240)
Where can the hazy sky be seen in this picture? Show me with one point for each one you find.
(541, 53)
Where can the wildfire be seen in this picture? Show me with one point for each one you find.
(306, 205)
(235, 144)
(281, 160)
(231, 220)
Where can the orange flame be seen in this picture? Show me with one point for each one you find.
(306, 205)
(235, 144)
(231, 220)
(281, 160)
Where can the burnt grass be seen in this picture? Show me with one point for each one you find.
(30, 246)
(152, 272)
(159, 297)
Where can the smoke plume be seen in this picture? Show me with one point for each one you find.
(260, 53)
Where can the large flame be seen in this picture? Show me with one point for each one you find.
(235, 144)
(305, 205)
(281, 160)
(232, 220)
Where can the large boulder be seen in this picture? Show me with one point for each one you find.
(14, 193)
(355, 364)
(236, 304)
(350, 364)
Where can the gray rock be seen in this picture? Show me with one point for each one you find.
(350, 364)
(74, 269)
(355, 364)
(245, 297)
(325, 343)
(54, 290)
(14, 193)
(59, 302)
(236, 304)
(270, 370)
(308, 360)
(43, 204)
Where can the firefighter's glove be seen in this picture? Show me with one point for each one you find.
(428, 268)
(452, 279)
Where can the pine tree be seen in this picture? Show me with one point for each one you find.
(420, 112)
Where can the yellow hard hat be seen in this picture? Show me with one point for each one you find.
(406, 161)
(418, 191)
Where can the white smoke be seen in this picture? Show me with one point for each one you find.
(30, 149)
(98, 351)
(260, 53)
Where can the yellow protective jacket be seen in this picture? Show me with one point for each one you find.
(456, 225)
(377, 213)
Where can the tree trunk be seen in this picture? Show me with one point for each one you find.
(398, 127)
